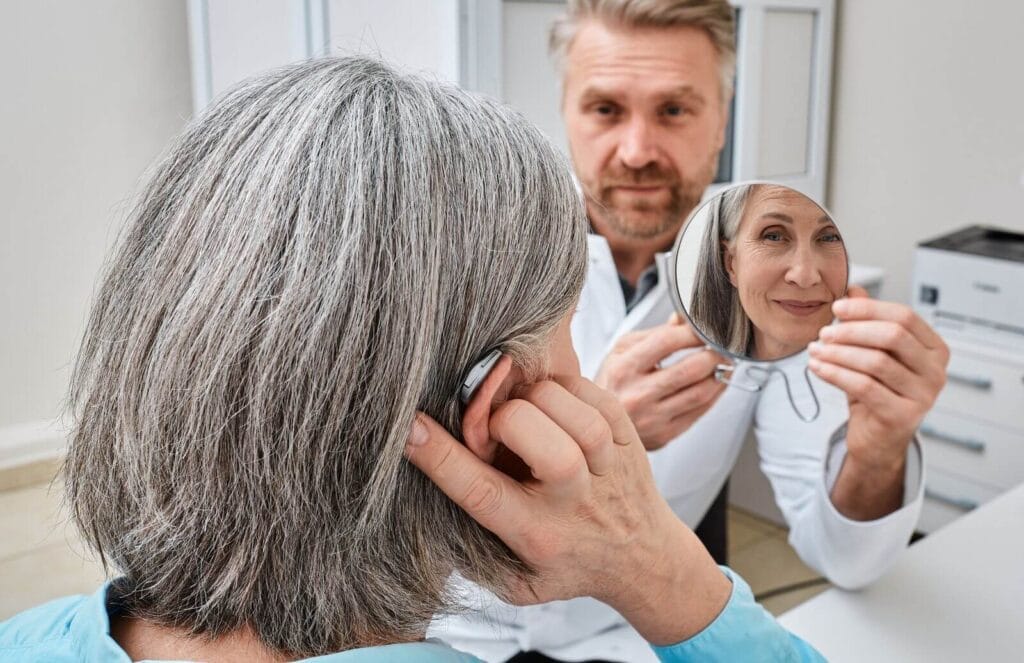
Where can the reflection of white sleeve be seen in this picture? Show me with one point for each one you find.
(802, 462)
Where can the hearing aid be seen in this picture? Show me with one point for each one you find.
(476, 375)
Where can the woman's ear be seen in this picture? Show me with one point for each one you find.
(476, 418)
(727, 259)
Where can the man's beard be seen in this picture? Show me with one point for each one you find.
(641, 219)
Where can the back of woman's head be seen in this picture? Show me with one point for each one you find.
(323, 252)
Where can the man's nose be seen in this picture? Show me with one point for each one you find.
(638, 146)
(804, 270)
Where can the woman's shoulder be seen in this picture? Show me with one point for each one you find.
(429, 651)
(43, 632)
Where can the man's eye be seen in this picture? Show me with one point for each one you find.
(673, 110)
(605, 109)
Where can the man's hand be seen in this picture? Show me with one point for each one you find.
(662, 402)
(587, 518)
(892, 366)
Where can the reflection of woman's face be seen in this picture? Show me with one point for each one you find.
(788, 263)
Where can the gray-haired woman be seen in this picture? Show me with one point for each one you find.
(322, 254)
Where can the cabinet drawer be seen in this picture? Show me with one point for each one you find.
(984, 389)
(969, 448)
(948, 497)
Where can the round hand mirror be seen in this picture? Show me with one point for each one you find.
(755, 270)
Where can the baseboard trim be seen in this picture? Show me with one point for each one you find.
(30, 453)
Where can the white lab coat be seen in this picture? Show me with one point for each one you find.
(801, 461)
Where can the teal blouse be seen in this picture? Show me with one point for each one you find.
(77, 628)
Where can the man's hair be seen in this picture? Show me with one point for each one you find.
(322, 253)
(715, 308)
(715, 17)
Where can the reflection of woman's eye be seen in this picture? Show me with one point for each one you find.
(831, 237)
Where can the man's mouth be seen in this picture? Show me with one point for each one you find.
(801, 307)
(640, 188)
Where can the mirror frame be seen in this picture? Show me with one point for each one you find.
(673, 259)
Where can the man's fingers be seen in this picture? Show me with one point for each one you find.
(857, 292)
(487, 495)
(623, 431)
(686, 372)
(580, 420)
(862, 308)
(875, 363)
(661, 341)
(883, 335)
(696, 397)
(551, 454)
(860, 387)
(683, 422)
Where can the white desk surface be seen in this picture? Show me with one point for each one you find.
(957, 595)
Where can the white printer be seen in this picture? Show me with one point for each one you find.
(969, 285)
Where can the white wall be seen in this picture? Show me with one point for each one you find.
(92, 92)
(928, 125)
(235, 39)
(415, 35)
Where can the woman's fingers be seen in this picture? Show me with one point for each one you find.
(623, 431)
(553, 456)
(581, 421)
(488, 496)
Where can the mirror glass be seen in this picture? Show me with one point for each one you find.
(756, 269)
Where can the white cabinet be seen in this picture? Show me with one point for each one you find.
(967, 287)
(974, 437)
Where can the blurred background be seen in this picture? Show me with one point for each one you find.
(903, 118)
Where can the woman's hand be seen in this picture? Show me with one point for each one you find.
(588, 520)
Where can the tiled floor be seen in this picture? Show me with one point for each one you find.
(41, 556)
(759, 552)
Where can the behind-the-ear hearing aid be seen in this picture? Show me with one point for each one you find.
(476, 375)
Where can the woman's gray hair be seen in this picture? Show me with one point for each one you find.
(321, 254)
(715, 308)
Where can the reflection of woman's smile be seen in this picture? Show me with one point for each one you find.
(800, 308)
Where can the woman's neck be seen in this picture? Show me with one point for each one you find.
(141, 639)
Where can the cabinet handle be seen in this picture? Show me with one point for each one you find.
(962, 442)
(961, 503)
(974, 381)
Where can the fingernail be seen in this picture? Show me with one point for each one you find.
(418, 436)
(814, 364)
(841, 306)
(813, 346)
(827, 333)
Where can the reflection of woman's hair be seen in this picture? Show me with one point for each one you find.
(715, 305)
(323, 252)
